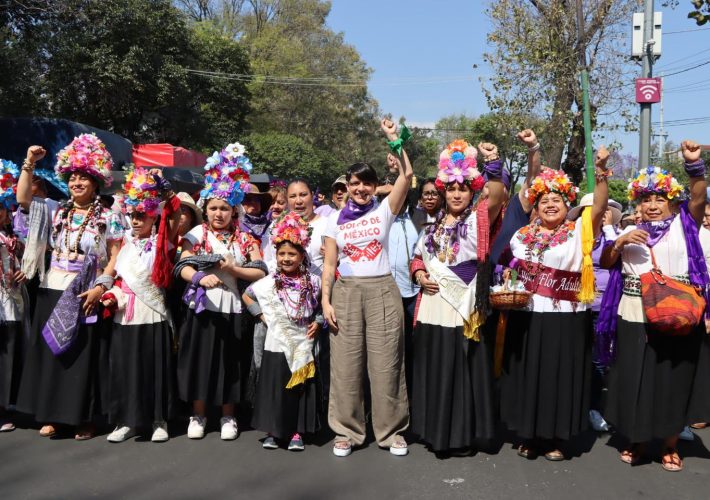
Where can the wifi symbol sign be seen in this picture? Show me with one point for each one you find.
(648, 90)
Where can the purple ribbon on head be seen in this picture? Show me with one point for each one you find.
(62, 327)
(352, 211)
(697, 271)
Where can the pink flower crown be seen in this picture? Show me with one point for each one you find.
(293, 228)
(88, 155)
(457, 163)
(142, 193)
(654, 180)
(551, 181)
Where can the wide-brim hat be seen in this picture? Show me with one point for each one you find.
(186, 199)
(253, 190)
(587, 201)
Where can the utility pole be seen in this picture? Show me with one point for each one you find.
(661, 134)
(646, 72)
(587, 116)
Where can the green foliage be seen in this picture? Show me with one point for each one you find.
(123, 66)
(536, 60)
(617, 191)
(289, 157)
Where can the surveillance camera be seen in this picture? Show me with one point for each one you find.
(651, 42)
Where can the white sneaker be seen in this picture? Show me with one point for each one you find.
(598, 422)
(687, 434)
(196, 427)
(160, 432)
(229, 428)
(399, 447)
(120, 434)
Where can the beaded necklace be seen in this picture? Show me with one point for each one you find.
(537, 242)
(304, 304)
(90, 219)
(443, 240)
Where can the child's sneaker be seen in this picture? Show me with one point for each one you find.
(296, 443)
(229, 430)
(269, 443)
(196, 427)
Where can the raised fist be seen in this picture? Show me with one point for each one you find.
(691, 151)
(527, 137)
(488, 150)
(601, 157)
(35, 153)
(389, 128)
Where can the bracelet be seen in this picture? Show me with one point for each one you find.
(28, 166)
(197, 277)
(104, 281)
(534, 148)
(695, 169)
(601, 174)
(418, 278)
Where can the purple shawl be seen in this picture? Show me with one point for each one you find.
(352, 211)
(697, 270)
(62, 327)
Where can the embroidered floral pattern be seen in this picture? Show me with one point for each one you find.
(538, 241)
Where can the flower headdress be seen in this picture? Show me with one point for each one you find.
(457, 163)
(654, 180)
(50, 176)
(86, 154)
(293, 228)
(226, 175)
(8, 184)
(142, 192)
(551, 181)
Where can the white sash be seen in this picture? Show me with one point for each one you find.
(134, 273)
(460, 296)
(283, 335)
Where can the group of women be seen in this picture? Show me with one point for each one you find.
(105, 340)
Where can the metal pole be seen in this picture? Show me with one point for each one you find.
(587, 113)
(646, 72)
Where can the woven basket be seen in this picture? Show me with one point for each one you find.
(510, 299)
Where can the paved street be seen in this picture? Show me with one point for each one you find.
(38, 468)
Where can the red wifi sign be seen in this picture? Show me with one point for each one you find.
(648, 90)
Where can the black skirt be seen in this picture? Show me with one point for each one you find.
(142, 378)
(546, 379)
(11, 340)
(452, 388)
(209, 358)
(279, 411)
(699, 410)
(69, 388)
(650, 382)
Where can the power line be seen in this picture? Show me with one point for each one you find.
(684, 31)
(687, 69)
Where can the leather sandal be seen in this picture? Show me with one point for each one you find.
(554, 456)
(699, 425)
(527, 451)
(670, 461)
(47, 430)
(85, 432)
(633, 454)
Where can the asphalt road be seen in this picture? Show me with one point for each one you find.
(39, 468)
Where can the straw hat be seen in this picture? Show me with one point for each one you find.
(253, 190)
(186, 199)
(587, 201)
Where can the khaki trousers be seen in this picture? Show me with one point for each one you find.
(370, 330)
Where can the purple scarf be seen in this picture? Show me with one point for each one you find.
(697, 270)
(352, 211)
(256, 225)
(62, 327)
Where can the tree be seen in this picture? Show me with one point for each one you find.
(125, 66)
(700, 12)
(289, 157)
(536, 63)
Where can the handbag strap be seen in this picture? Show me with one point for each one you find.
(653, 260)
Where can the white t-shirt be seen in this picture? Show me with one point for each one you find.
(362, 243)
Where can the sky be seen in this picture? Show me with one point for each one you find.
(423, 52)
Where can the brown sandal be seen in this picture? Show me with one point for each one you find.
(632, 455)
(85, 432)
(671, 461)
(47, 431)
